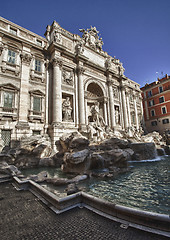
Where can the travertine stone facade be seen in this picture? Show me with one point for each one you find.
(50, 85)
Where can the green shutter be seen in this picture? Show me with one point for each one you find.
(36, 104)
(8, 99)
(6, 137)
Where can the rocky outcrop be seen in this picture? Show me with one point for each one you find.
(29, 152)
(80, 157)
(143, 151)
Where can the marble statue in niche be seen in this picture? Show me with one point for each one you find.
(117, 115)
(67, 110)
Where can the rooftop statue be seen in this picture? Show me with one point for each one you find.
(91, 38)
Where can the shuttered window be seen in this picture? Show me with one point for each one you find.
(6, 137)
(37, 65)
(8, 99)
(36, 104)
(11, 56)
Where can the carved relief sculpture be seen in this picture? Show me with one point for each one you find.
(67, 77)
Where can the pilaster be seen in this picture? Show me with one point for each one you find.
(125, 116)
(57, 93)
(80, 71)
(24, 87)
(111, 103)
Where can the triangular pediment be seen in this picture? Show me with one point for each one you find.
(9, 86)
(37, 92)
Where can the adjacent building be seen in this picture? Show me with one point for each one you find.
(156, 105)
(51, 85)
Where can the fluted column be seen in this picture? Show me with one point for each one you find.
(24, 87)
(80, 71)
(111, 104)
(57, 93)
(136, 113)
(47, 94)
(105, 112)
(128, 108)
(125, 116)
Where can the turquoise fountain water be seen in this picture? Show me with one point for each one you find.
(146, 186)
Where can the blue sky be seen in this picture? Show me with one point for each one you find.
(136, 32)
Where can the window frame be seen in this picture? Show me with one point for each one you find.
(13, 58)
(13, 31)
(160, 87)
(154, 123)
(165, 121)
(40, 105)
(149, 94)
(164, 107)
(151, 103)
(162, 97)
(38, 65)
(12, 93)
(153, 115)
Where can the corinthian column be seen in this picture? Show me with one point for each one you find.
(111, 103)
(80, 71)
(128, 108)
(136, 113)
(125, 117)
(57, 94)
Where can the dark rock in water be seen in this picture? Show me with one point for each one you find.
(46, 162)
(76, 162)
(9, 169)
(57, 181)
(72, 188)
(72, 142)
(160, 151)
(97, 161)
(114, 143)
(143, 151)
(40, 177)
(167, 150)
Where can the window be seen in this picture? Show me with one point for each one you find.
(154, 123)
(36, 104)
(165, 121)
(36, 132)
(161, 99)
(8, 99)
(37, 65)
(13, 31)
(163, 110)
(153, 113)
(151, 102)
(6, 137)
(150, 93)
(160, 89)
(11, 56)
(39, 43)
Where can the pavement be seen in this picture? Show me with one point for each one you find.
(24, 217)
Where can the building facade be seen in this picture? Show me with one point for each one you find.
(58, 83)
(156, 105)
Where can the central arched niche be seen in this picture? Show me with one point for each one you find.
(94, 93)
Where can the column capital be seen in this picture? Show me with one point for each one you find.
(80, 70)
(46, 63)
(1, 49)
(26, 58)
(57, 62)
(109, 82)
(122, 88)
